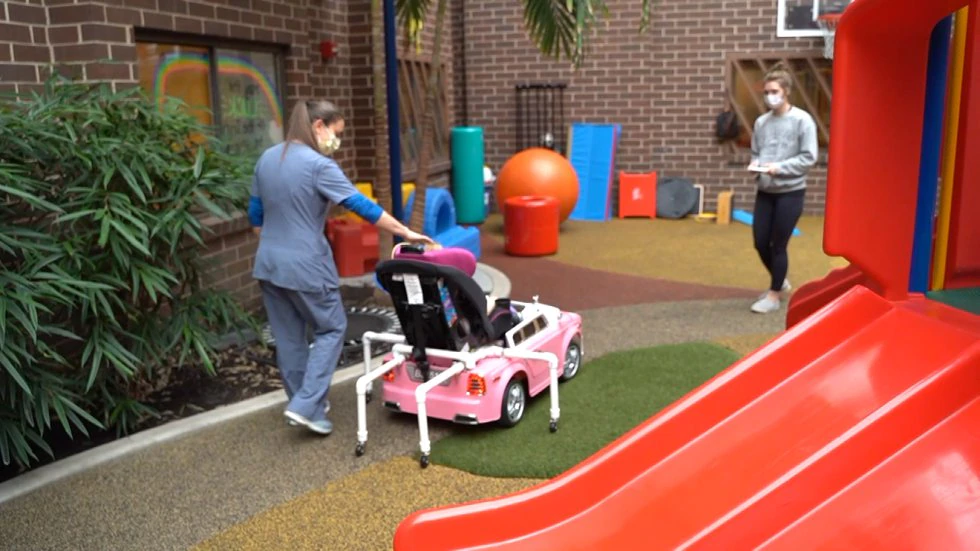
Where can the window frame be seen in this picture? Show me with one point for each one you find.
(213, 43)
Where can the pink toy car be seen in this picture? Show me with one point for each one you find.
(463, 358)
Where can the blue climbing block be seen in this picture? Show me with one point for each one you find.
(440, 221)
(462, 237)
(440, 211)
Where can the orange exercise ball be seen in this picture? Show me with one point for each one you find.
(542, 172)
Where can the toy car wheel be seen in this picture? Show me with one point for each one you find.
(514, 403)
(573, 360)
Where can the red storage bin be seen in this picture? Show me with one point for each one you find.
(531, 225)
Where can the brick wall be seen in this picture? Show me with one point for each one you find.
(665, 87)
(24, 38)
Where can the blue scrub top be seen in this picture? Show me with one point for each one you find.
(296, 192)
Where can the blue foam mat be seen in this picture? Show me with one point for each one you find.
(591, 155)
(746, 218)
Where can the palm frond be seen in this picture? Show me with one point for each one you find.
(561, 28)
(411, 16)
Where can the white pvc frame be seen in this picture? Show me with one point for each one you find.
(462, 361)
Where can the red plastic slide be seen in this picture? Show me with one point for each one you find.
(814, 295)
(855, 429)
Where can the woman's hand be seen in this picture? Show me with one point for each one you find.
(773, 169)
(415, 237)
(388, 223)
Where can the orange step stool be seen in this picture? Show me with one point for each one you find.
(354, 244)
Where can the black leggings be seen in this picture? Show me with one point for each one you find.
(776, 214)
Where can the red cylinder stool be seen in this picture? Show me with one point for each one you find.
(531, 225)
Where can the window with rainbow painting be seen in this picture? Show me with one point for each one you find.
(236, 91)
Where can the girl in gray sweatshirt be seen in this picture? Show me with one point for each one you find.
(784, 147)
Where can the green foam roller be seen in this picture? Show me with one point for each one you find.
(466, 144)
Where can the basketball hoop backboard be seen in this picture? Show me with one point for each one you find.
(798, 18)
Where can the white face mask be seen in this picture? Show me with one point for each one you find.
(774, 100)
(329, 144)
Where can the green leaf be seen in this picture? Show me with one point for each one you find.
(104, 232)
(131, 180)
(16, 310)
(4, 447)
(21, 447)
(107, 177)
(14, 373)
(84, 415)
(199, 163)
(68, 217)
(36, 439)
(127, 215)
(204, 356)
(128, 236)
(95, 364)
(210, 205)
(30, 198)
(59, 411)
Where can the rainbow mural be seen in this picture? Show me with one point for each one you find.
(174, 63)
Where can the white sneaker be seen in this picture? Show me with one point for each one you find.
(785, 289)
(295, 424)
(323, 427)
(765, 305)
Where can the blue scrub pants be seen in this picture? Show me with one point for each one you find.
(306, 373)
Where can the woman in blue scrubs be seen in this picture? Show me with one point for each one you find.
(294, 185)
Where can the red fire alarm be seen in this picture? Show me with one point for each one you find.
(328, 49)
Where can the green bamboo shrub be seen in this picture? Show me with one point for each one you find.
(102, 291)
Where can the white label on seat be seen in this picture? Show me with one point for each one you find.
(413, 288)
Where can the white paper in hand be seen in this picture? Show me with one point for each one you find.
(758, 168)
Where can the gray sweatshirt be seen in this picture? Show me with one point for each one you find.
(790, 142)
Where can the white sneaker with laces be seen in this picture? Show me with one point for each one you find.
(765, 305)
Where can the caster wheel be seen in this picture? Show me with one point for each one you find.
(359, 450)
(553, 427)
(424, 461)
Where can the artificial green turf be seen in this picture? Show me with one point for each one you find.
(609, 396)
(964, 299)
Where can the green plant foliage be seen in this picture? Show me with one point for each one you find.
(102, 288)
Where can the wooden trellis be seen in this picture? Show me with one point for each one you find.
(812, 79)
(413, 79)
